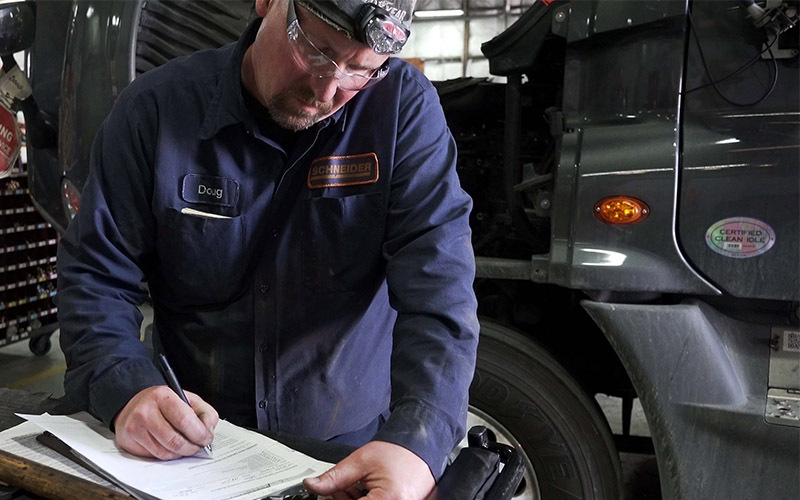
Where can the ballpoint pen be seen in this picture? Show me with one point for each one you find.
(172, 382)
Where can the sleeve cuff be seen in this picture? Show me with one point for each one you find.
(422, 430)
(112, 391)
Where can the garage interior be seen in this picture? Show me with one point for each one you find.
(446, 46)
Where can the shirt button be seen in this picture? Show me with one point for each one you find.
(275, 233)
(263, 348)
(264, 288)
(262, 404)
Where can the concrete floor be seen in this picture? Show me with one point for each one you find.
(20, 369)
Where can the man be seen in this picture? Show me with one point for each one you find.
(291, 202)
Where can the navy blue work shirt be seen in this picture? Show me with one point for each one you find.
(316, 290)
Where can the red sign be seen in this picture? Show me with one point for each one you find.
(9, 141)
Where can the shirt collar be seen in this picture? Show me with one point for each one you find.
(227, 104)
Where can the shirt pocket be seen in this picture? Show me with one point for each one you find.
(342, 242)
(201, 259)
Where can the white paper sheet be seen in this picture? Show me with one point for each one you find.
(21, 441)
(246, 465)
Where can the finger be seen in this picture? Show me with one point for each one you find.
(143, 427)
(187, 430)
(134, 421)
(351, 493)
(204, 411)
(336, 479)
(151, 447)
(138, 441)
(171, 439)
(129, 443)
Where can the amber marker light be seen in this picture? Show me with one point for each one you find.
(621, 210)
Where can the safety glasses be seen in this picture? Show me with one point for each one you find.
(311, 60)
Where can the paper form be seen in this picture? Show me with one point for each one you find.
(246, 465)
(21, 441)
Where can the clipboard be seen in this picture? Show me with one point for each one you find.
(50, 483)
(54, 443)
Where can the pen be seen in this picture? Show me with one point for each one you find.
(172, 382)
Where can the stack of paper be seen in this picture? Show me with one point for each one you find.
(246, 465)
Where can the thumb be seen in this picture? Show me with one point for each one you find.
(338, 478)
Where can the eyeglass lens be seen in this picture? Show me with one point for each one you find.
(309, 58)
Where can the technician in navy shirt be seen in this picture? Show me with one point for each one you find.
(292, 204)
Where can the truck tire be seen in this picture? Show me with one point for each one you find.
(528, 400)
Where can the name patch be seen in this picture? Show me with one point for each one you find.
(210, 190)
(338, 171)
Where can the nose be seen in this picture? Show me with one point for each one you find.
(324, 87)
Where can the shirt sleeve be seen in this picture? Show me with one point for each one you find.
(430, 272)
(103, 260)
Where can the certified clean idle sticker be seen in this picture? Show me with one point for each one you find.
(740, 237)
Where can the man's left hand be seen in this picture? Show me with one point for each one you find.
(376, 471)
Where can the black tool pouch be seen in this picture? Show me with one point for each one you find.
(485, 470)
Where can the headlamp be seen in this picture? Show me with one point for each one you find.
(377, 28)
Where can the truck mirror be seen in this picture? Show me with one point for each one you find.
(17, 26)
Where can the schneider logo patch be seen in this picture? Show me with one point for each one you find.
(338, 171)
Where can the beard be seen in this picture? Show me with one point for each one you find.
(284, 111)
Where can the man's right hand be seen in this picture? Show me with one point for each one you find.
(157, 423)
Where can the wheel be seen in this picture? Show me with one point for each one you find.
(40, 345)
(528, 400)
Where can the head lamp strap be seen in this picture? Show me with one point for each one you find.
(384, 33)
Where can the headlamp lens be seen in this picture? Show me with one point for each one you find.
(384, 33)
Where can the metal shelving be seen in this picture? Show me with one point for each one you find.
(27, 268)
